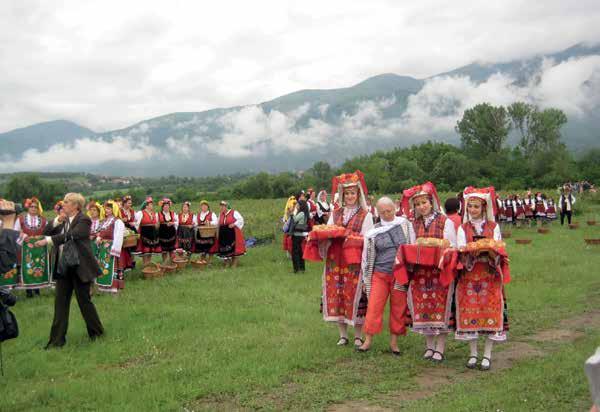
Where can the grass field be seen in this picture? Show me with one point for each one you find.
(253, 338)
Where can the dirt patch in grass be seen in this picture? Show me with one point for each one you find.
(430, 380)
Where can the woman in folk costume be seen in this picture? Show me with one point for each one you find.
(231, 240)
(551, 212)
(372, 208)
(343, 301)
(185, 229)
(288, 212)
(430, 302)
(520, 209)
(480, 299)
(112, 228)
(312, 206)
(540, 207)
(501, 211)
(323, 208)
(205, 246)
(31, 224)
(96, 213)
(381, 244)
(529, 207)
(167, 229)
(128, 218)
(509, 209)
(146, 223)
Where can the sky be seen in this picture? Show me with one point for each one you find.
(107, 65)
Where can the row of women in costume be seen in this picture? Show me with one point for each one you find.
(464, 293)
(164, 231)
(160, 232)
(514, 209)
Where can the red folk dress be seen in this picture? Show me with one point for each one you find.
(231, 241)
(343, 301)
(480, 299)
(128, 218)
(148, 242)
(430, 302)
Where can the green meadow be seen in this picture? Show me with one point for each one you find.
(253, 338)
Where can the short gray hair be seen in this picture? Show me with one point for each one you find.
(386, 201)
(77, 199)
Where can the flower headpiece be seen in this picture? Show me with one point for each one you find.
(426, 189)
(346, 180)
(33, 201)
(487, 195)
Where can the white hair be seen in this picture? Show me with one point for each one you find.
(385, 201)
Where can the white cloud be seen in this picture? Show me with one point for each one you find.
(84, 152)
(111, 64)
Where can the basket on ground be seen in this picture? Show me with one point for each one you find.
(181, 262)
(523, 241)
(200, 264)
(152, 270)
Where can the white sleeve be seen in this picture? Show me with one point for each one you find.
(138, 219)
(195, 220)
(239, 220)
(367, 224)
(450, 232)
(214, 220)
(118, 232)
(545, 205)
(497, 233)
(17, 226)
(412, 236)
(176, 220)
(574, 200)
(461, 238)
(330, 220)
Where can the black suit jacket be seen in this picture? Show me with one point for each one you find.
(79, 231)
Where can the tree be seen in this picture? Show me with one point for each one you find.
(539, 130)
(21, 187)
(322, 173)
(484, 129)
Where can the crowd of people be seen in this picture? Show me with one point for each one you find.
(423, 256)
(162, 232)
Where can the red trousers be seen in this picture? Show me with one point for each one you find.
(382, 287)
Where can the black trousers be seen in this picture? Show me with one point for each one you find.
(65, 287)
(297, 259)
(568, 213)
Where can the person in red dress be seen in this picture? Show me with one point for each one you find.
(231, 240)
(185, 230)
(146, 223)
(480, 300)
(31, 224)
(287, 214)
(343, 301)
(128, 219)
(429, 301)
(205, 246)
(167, 229)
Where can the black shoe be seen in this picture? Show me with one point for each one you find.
(361, 350)
(395, 352)
(434, 360)
(470, 365)
(489, 365)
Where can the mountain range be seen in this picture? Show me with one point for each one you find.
(291, 132)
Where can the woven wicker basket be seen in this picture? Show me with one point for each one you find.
(130, 241)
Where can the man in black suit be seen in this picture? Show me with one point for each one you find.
(76, 226)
